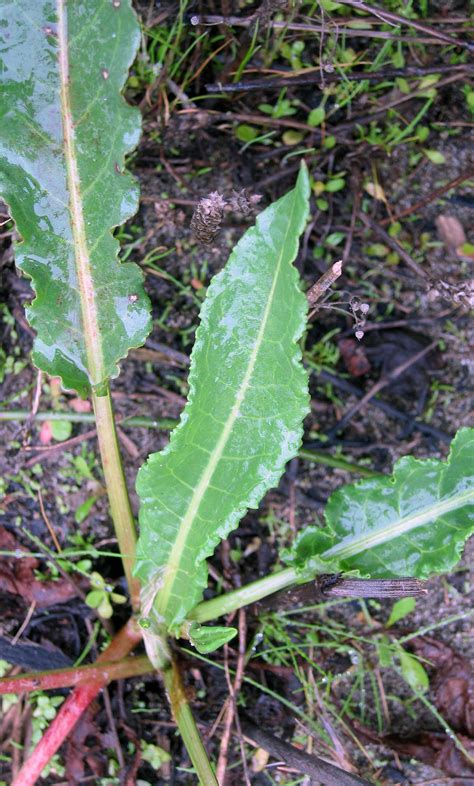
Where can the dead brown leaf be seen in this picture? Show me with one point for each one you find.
(433, 748)
(452, 683)
(86, 745)
(354, 357)
(17, 577)
(437, 750)
(451, 232)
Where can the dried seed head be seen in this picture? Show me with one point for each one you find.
(354, 304)
(243, 202)
(459, 294)
(359, 313)
(207, 217)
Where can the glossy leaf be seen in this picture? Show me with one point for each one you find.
(414, 523)
(243, 420)
(208, 639)
(64, 133)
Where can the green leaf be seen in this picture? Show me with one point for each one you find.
(154, 755)
(208, 639)
(411, 524)
(329, 5)
(434, 156)
(83, 510)
(292, 137)
(243, 420)
(335, 185)
(115, 597)
(422, 134)
(428, 81)
(384, 651)
(61, 429)
(64, 133)
(412, 671)
(466, 250)
(246, 133)
(316, 116)
(94, 598)
(377, 250)
(403, 85)
(105, 609)
(335, 238)
(307, 553)
(400, 609)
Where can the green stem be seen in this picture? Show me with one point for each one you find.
(337, 463)
(348, 547)
(187, 726)
(166, 424)
(224, 604)
(117, 491)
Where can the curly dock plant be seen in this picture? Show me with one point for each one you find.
(64, 135)
(65, 131)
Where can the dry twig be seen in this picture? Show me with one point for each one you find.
(316, 768)
(231, 705)
(319, 289)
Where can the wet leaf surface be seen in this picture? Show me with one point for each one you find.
(243, 420)
(63, 138)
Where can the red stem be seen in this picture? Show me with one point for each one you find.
(74, 706)
(80, 675)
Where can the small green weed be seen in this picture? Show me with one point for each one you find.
(10, 363)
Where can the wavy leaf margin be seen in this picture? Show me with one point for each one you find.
(413, 523)
(65, 132)
(243, 419)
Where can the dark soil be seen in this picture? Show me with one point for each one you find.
(40, 607)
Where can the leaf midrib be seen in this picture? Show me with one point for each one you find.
(173, 562)
(90, 321)
(354, 544)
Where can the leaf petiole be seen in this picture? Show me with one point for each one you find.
(117, 491)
